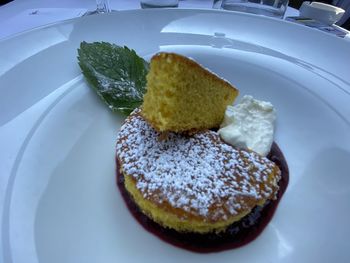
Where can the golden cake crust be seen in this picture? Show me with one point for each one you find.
(192, 184)
(192, 64)
(184, 96)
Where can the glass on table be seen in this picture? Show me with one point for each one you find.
(158, 3)
(272, 8)
(102, 6)
(217, 4)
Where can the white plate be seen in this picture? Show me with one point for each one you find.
(59, 201)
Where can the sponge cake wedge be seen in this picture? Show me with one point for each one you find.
(183, 96)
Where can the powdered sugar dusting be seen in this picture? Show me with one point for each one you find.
(199, 174)
(119, 89)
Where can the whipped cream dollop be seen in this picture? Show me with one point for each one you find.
(249, 125)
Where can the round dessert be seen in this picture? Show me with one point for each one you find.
(192, 184)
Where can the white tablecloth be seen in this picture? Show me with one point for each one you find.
(21, 15)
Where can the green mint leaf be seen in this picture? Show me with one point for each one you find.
(117, 74)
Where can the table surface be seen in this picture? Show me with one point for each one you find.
(14, 16)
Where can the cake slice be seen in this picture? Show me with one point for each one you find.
(195, 184)
(183, 96)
